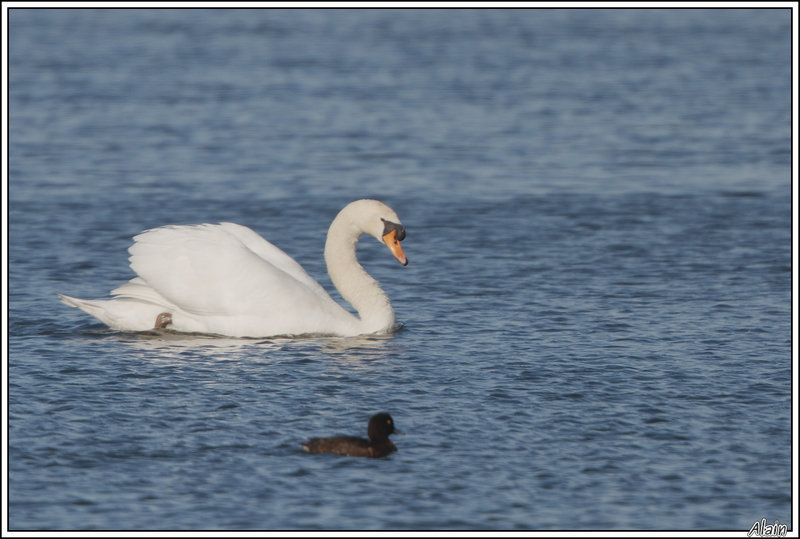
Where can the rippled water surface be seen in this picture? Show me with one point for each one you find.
(596, 313)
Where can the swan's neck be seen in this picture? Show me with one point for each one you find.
(354, 284)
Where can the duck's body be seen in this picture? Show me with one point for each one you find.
(351, 446)
(378, 445)
(225, 279)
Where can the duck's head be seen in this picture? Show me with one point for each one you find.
(380, 427)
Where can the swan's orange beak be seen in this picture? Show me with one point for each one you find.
(393, 244)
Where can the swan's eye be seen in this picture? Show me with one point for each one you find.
(388, 226)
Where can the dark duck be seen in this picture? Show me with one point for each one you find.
(378, 445)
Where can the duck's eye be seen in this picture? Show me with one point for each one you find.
(388, 421)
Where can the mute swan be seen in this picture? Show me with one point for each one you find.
(225, 279)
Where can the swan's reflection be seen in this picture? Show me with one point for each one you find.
(164, 345)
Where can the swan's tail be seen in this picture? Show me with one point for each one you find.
(92, 307)
(95, 307)
(122, 314)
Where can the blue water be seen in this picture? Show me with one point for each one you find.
(596, 313)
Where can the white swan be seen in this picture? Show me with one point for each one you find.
(225, 279)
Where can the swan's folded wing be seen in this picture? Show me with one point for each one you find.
(207, 270)
(272, 254)
(139, 290)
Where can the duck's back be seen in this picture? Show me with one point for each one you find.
(351, 446)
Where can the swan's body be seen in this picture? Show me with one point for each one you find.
(225, 279)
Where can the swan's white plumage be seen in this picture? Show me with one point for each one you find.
(226, 279)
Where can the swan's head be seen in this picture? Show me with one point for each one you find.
(379, 221)
(392, 234)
